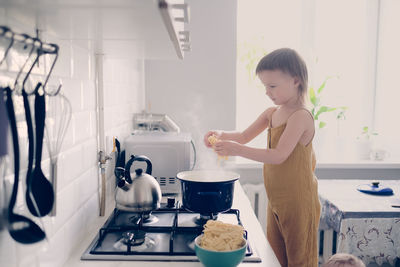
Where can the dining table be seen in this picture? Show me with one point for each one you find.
(362, 224)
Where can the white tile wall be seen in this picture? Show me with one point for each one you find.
(78, 180)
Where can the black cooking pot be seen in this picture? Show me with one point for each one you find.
(207, 192)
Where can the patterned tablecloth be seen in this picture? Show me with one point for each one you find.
(367, 225)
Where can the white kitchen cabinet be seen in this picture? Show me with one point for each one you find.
(149, 29)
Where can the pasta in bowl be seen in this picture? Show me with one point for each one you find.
(221, 244)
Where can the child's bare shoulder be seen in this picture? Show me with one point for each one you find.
(268, 112)
(302, 115)
(301, 119)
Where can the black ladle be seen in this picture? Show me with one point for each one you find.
(21, 229)
(28, 117)
(40, 188)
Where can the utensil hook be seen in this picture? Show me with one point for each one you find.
(56, 49)
(39, 52)
(26, 37)
(5, 30)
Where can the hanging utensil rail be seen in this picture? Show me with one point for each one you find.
(58, 121)
(39, 47)
(7, 33)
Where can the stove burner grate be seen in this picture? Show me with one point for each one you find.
(147, 243)
(133, 238)
(146, 218)
(136, 238)
(203, 218)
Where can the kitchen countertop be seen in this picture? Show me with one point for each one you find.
(388, 169)
(247, 216)
(391, 163)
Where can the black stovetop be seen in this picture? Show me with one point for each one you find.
(169, 231)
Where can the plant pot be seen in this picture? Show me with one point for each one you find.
(363, 149)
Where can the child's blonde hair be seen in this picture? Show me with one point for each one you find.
(288, 61)
(343, 260)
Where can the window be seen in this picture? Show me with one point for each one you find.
(353, 44)
(386, 118)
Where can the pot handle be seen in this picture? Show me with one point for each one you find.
(216, 194)
(133, 158)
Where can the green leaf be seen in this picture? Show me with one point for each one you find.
(340, 116)
(313, 99)
(322, 124)
(321, 88)
(323, 109)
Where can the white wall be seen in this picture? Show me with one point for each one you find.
(199, 93)
(77, 197)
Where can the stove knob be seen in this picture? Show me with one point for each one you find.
(171, 202)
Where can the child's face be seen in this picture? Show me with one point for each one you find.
(280, 87)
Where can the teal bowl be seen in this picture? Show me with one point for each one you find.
(211, 258)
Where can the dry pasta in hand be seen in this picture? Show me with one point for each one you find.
(221, 236)
(213, 139)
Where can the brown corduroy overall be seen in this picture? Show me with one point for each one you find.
(293, 208)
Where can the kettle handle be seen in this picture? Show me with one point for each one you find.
(133, 158)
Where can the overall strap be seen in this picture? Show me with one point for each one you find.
(309, 112)
(270, 127)
(270, 119)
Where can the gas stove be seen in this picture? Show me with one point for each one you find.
(166, 234)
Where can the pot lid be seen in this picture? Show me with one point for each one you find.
(208, 176)
(375, 188)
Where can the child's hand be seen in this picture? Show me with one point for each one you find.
(212, 140)
(209, 137)
(227, 148)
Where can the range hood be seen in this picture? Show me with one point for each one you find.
(148, 29)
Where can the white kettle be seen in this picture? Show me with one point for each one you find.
(137, 191)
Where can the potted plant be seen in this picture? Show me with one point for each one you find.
(366, 133)
(340, 118)
(322, 147)
(364, 142)
(318, 109)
